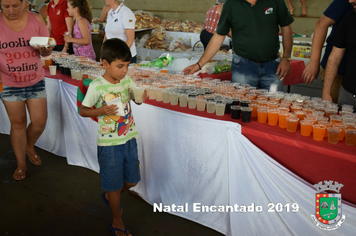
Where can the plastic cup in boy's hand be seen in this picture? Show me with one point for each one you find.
(139, 94)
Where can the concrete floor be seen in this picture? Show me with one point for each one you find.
(59, 199)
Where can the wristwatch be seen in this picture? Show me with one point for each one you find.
(288, 58)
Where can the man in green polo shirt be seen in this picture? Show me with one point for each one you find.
(255, 27)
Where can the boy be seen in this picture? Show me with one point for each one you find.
(117, 148)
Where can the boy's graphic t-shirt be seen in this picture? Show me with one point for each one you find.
(118, 128)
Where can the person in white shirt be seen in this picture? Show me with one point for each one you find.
(120, 23)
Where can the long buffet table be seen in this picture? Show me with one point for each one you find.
(190, 157)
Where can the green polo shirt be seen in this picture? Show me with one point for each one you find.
(254, 28)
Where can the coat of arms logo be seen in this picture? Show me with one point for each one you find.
(328, 206)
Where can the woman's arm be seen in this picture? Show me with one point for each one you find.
(86, 34)
(104, 14)
(43, 12)
(130, 34)
(70, 24)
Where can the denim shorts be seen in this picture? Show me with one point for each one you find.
(17, 94)
(118, 164)
(260, 75)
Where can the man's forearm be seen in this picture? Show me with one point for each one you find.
(213, 46)
(320, 32)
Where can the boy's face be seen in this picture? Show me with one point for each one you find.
(116, 70)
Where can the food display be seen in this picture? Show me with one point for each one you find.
(77, 67)
(311, 116)
(172, 25)
(191, 26)
(146, 19)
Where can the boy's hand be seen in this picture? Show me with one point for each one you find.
(144, 96)
(109, 110)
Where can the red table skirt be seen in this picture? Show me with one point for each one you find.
(295, 76)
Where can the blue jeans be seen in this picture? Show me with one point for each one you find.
(260, 75)
(16, 94)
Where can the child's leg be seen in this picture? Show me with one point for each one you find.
(114, 201)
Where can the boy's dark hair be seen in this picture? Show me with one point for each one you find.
(114, 49)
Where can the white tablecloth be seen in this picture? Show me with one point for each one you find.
(189, 159)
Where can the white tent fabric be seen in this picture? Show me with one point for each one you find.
(190, 160)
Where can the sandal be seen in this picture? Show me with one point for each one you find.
(125, 231)
(303, 15)
(19, 173)
(36, 160)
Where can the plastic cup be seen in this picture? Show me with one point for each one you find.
(228, 103)
(192, 101)
(333, 134)
(235, 112)
(350, 137)
(159, 95)
(48, 62)
(272, 116)
(330, 111)
(246, 114)
(272, 105)
(335, 119)
(326, 124)
(342, 133)
(173, 97)
(138, 93)
(306, 127)
(301, 114)
(201, 103)
(254, 107)
(262, 114)
(52, 70)
(183, 100)
(262, 103)
(308, 110)
(292, 124)
(245, 102)
(282, 118)
(165, 96)
(319, 132)
(210, 106)
(294, 108)
(151, 93)
(220, 108)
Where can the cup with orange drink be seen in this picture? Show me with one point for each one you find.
(262, 114)
(326, 124)
(292, 124)
(336, 119)
(282, 116)
(319, 132)
(333, 134)
(306, 127)
(272, 116)
(350, 136)
(342, 133)
(254, 107)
